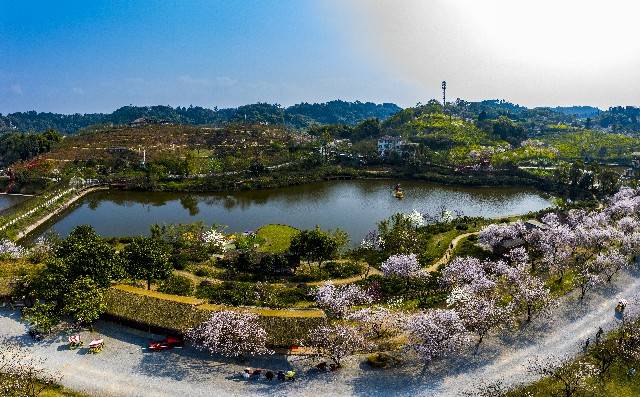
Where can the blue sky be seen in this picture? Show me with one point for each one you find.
(88, 56)
(96, 55)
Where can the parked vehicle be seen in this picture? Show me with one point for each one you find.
(75, 342)
(168, 343)
(96, 346)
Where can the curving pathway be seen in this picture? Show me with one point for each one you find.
(126, 369)
(447, 254)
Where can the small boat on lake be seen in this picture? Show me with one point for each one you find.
(398, 192)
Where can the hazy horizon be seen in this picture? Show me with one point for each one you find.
(78, 57)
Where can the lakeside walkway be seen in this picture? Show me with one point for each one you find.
(39, 222)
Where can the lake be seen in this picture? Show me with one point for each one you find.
(8, 201)
(355, 206)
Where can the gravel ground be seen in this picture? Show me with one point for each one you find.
(126, 368)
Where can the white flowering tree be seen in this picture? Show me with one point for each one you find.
(526, 291)
(573, 378)
(416, 218)
(21, 374)
(493, 235)
(215, 239)
(337, 300)
(402, 266)
(231, 334)
(611, 262)
(468, 272)
(377, 321)
(436, 333)
(337, 341)
(10, 250)
(479, 314)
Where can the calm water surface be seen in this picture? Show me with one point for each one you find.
(355, 206)
(6, 202)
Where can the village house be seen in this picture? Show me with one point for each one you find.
(388, 144)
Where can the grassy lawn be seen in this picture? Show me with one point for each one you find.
(617, 383)
(438, 244)
(469, 247)
(59, 391)
(277, 238)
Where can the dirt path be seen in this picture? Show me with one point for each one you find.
(126, 369)
(447, 254)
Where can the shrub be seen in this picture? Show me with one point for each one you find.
(176, 313)
(343, 269)
(177, 284)
(382, 360)
(203, 271)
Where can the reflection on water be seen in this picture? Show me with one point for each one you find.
(355, 206)
(6, 202)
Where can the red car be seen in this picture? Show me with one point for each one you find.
(168, 343)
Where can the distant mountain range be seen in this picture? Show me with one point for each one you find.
(302, 115)
(306, 115)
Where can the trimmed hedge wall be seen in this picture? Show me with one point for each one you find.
(179, 313)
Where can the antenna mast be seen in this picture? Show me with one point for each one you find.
(444, 93)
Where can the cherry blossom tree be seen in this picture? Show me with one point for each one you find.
(630, 245)
(528, 293)
(337, 341)
(611, 262)
(402, 265)
(231, 334)
(20, 374)
(336, 300)
(479, 314)
(470, 272)
(587, 278)
(378, 321)
(573, 377)
(494, 234)
(553, 246)
(436, 333)
(10, 250)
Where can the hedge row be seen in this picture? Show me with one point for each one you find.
(179, 313)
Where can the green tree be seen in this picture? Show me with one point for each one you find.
(367, 129)
(314, 245)
(41, 316)
(148, 259)
(87, 254)
(506, 129)
(84, 301)
(51, 283)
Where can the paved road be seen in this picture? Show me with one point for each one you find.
(126, 369)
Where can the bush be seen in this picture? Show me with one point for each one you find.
(203, 271)
(177, 284)
(343, 269)
(238, 293)
(175, 313)
(394, 286)
(382, 360)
